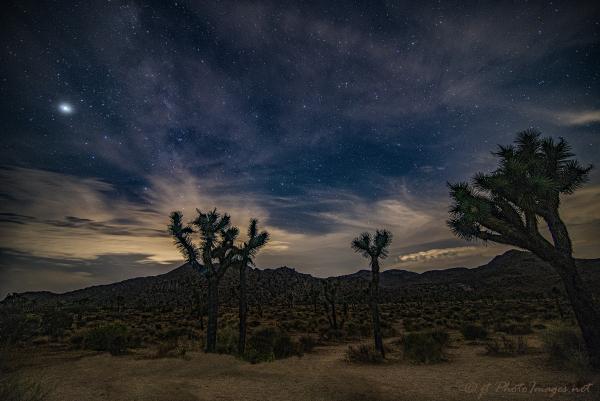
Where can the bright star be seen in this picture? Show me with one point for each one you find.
(65, 108)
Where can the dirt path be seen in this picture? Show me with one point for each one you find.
(322, 375)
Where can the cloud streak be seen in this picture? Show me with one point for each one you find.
(85, 222)
(321, 120)
(580, 117)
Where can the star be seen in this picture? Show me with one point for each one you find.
(65, 108)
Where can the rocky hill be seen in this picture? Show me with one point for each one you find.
(512, 274)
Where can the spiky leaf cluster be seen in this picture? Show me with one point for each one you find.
(255, 242)
(216, 248)
(373, 246)
(506, 205)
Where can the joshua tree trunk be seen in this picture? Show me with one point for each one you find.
(213, 314)
(582, 303)
(579, 296)
(243, 309)
(374, 301)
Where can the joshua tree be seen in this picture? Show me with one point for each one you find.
(313, 294)
(374, 248)
(330, 288)
(508, 205)
(215, 251)
(246, 252)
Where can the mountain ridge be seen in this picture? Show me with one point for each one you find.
(509, 273)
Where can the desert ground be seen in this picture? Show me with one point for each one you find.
(323, 374)
(443, 342)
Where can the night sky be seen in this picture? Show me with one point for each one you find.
(322, 119)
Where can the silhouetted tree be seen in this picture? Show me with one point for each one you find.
(216, 252)
(247, 252)
(330, 289)
(374, 248)
(313, 293)
(508, 205)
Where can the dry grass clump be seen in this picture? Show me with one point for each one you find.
(363, 353)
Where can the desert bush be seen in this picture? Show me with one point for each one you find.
(16, 326)
(284, 346)
(268, 344)
(227, 341)
(363, 353)
(114, 338)
(565, 348)
(426, 346)
(473, 332)
(15, 388)
(387, 330)
(515, 328)
(507, 346)
(175, 333)
(77, 339)
(55, 322)
(353, 329)
(328, 333)
(171, 349)
(307, 343)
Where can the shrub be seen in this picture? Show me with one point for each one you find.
(176, 333)
(16, 326)
(473, 332)
(77, 340)
(268, 344)
(227, 341)
(565, 348)
(55, 322)
(171, 349)
(328, 333)
(307, 343)
(515, 328)
(363, 353)
(113, 338)
(15, 388)
(426, 346)
(284, 347)
(387, 330)
(506, 346)
(353, 330)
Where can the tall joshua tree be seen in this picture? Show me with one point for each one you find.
(246, 253)
(212, 256)
(509, 205)
(374, 248)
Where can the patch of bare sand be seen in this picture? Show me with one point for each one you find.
(323, 375)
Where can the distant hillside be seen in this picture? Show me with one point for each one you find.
(512, 274)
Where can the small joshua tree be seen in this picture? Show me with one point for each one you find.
(374, 248)
(246, 253)
(508, 206)
(212, 257)
(330, 289)
(313, 294)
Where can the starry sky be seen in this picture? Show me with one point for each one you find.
(322, 119)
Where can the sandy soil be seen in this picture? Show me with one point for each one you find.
(322, 375)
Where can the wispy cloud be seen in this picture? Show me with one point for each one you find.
(431, 254)
(579, 117)
(84, 221)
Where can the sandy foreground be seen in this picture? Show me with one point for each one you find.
(321, 375)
